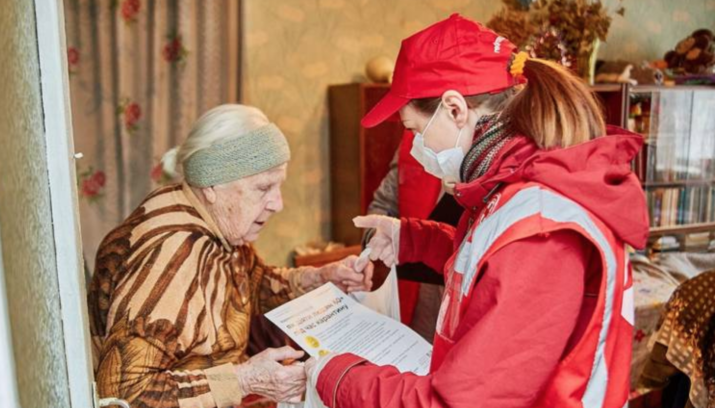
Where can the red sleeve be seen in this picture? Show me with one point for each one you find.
(429, 242)
(516, 328)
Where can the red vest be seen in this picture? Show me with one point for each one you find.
(595, 372)
(417, 196)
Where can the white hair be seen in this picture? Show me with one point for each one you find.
(218, 124)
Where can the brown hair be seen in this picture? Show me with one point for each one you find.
(555, 108)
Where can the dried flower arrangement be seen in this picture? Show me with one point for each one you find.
(567, 31)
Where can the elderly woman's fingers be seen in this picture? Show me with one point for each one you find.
(355, 288)
(349, 276)
(344, 275)
(367, 275)
(366, 284)
(291, 380)
(354, 262)
(360, 288)
(286, 383)
(284, 353)
(263, 374)
(361, 261)
(292, 374)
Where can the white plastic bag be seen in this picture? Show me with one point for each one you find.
(386, 299)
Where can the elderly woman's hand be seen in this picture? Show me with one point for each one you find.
(313, 366)
(263, 374)
(348, 274)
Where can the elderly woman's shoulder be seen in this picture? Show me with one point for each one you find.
(166, 201)
(166, 210)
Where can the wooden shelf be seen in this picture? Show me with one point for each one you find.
(326, 257)
(607, 87)
(658, 88)
(641, 89)
(677, 183)
(682, 229)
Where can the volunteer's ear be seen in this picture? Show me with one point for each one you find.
(457, 107)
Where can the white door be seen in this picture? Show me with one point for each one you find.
(63, 196)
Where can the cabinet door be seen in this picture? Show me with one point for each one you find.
(359, 158)
(379, 147)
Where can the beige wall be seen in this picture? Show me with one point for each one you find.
(295, 48)
(25, 218)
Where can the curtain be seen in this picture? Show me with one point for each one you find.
(141, 72)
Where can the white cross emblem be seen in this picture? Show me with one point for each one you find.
(497, 44)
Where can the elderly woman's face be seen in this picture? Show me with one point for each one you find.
(242, 207)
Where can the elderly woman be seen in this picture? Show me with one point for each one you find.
(177, 282)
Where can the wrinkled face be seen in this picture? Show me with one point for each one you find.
(241, 208)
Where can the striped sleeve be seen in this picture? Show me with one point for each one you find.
(278, 286)
(148, 356)
(271, 286)
(139, 364)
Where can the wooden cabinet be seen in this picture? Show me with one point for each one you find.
(614, 103)
(359, 157)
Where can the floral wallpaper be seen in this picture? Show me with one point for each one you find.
(294, 49)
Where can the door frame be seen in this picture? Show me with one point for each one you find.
(9, 397)
(54, 79)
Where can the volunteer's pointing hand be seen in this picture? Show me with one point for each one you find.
(385, 244)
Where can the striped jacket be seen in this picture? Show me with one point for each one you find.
(170, 305)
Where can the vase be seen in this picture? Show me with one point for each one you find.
(586, 62)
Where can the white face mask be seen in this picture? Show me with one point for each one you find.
(444, 165)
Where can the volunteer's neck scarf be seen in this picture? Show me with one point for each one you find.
(490, 136)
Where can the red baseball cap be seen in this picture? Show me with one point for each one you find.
(455, 53)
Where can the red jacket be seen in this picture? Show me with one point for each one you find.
(522, 333)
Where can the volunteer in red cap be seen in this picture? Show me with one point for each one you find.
(538, 309)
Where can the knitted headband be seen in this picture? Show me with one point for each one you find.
(251, 153)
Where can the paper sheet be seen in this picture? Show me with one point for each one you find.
(327, 320)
